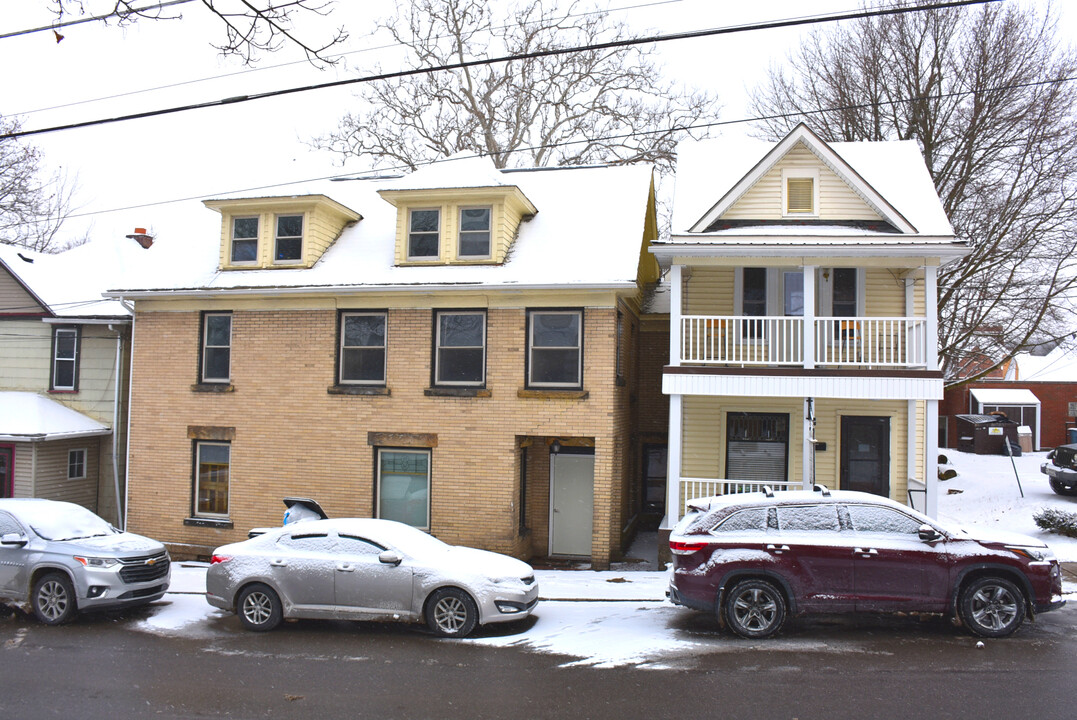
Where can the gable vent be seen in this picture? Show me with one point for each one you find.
(800, 195)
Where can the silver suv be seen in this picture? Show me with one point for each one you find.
(59, 558)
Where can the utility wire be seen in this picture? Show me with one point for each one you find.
(553, 52)
(121, 14)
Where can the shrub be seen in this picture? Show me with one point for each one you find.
(1057, 521)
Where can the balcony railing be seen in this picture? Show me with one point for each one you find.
(692, 488)
(874, 342)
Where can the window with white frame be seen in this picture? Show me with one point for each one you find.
(424, 234)
(76, 464)
(555, 349)
(244, 239)
(800, 192)
(362, 348)
(460, 356)
(289, 239)
(65, 358)
(404, 486)
(212, 479)
(216, 347)
(474, 233)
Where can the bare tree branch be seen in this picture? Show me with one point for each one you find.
(987, 95)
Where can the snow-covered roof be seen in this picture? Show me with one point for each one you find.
(27, 416)
(891, 176)
(1005, 396)
(1059, 365)
(587, 233)
(71, 283)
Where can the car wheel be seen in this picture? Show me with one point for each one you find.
(451, 612)
(1061, 488)
(992, 607)
(754, 609)
(259, 608)
(53, 599)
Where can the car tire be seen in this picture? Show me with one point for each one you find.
(991, 607)
(53, 599)
(1062, 489)
(259, 608)
(451, 612)
(754, 609)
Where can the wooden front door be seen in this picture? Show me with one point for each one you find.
(865, 454)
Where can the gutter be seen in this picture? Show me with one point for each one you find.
(42, 437)
(356, 289)
(115, 424)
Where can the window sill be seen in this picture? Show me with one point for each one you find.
(457, 392)
(358, 390)
(553, 394)
(213, 388)
(206, 522)
(62, 391)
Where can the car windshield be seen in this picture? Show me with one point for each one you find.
(64, 521)
(410, 540)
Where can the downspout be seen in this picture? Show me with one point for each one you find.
(120, 518)
(130, 389)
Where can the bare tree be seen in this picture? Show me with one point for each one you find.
(251, 26)
(33, 206)
(609, 105)
(989, 96)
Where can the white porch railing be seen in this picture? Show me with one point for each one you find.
(692, 488)
(838, 341)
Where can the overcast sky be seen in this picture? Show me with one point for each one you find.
(248, 147)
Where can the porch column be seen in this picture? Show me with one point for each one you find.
(676, 332)
(912, 465)
(673, 462)
(808, 457)
(809, 316)
(931, 449)
(931, 309)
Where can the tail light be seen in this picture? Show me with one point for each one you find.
(685, 548)
(219, 559)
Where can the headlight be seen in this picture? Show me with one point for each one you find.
(1037, 554)
(96, 562)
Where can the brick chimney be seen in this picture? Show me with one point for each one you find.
(140, 237)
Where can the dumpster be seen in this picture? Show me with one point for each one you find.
(986, 434)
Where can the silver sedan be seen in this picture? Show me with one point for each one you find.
(367, 569)
(59, 559)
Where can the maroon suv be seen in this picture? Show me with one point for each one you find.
(756, 558)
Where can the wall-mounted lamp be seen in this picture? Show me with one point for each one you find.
(555, 446)
(826, 273)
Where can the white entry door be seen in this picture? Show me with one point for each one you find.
(572, 483)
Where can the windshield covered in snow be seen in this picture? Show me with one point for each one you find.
(64, 521)
(409, 540)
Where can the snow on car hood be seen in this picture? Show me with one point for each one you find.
(1002, 537)
(121, 544)
(484, 562)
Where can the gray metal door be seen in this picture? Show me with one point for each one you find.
(572, 492)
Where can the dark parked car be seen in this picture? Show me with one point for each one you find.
(1062, 473)
(757, 558)
(60, 559)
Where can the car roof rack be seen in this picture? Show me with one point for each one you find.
(767, 491)
(821, 489)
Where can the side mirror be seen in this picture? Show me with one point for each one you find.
(390, 557)
(928, 533)
(13, 540)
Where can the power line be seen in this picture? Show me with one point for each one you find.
(553, 52)
(121, 14)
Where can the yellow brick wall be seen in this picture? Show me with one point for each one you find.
(292, 437)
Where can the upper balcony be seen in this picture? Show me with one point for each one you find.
(867, 343)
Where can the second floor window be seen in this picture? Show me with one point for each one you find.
(845, 292)
(754, 300)
(474, 233)
(555, 349)
(424, 233)
(289, 240)
(244, 239)
(216, 347)
(65, 359)
(460, 357)
(362, 348)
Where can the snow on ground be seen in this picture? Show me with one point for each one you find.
(986, 493)
(621, 617)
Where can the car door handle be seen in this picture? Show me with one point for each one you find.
(865, 552)
(777, 549)
(345, 567)
(278, 563)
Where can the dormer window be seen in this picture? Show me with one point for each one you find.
(474, 233)
(289, 239)
(424, 234)
(244, 239)
(800, 192)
